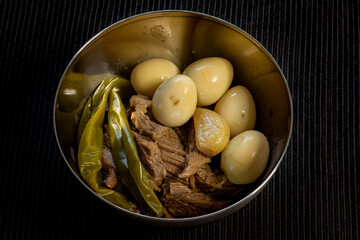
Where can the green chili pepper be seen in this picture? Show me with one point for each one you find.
(105, 85)
(85, 117)
(132, 161)
(91, 144)
(131, 171)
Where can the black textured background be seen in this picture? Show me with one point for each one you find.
(315, 193)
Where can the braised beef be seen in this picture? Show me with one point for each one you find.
(159, 138)
(108, 161)
(181, 201)
(215, 183)
(178, 171)
(194, 158)
(107, 141)
(150, 156)
(111, 179)
(142, 121)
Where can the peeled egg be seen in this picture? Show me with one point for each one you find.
(212, 77)
(212, 133)
(174, 102)
(147, 76)
(245, 157)
(237, 107)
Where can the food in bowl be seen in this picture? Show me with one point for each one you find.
(174, 101)
(212, 77)
(211, 130)
(147, 76)
(237, 106)
(159, 154)
(245, 157)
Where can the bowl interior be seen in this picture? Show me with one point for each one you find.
(181, 37)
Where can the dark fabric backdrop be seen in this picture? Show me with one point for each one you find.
(315, 192)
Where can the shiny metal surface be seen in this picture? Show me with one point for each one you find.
(181, 37)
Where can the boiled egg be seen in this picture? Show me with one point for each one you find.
(237, 107)
(245, 157)
(147, 76)
(174, 102)
(212, 77)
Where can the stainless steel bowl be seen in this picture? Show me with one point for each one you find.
(181, 37)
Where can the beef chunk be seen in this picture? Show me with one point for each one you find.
(107, 141)
(181, 174)
(166, 148)
(178, 188)
(215, 183)
(107, 158)
(181, 201)
(111, 179)
(107, 161)
(194, 158)
(150, 155)
(141, 121)
(206, 178)
(172, 152)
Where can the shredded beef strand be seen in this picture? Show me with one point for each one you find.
(182, 201)
(111, 179)
(194, 158)
(107, 160)
(151, 158)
